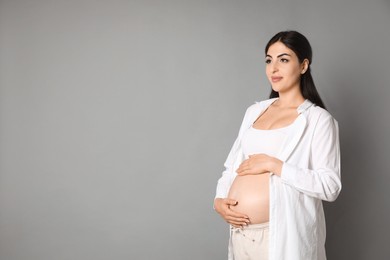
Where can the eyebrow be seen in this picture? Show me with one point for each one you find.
(280, 55)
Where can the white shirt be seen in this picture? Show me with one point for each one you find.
(310, 174)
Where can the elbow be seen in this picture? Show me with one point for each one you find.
(332, 196)
(332, 186)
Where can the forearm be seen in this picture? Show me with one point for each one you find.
(323, 183)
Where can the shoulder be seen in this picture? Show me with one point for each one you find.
(321, 116)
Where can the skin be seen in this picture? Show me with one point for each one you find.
(283, 70)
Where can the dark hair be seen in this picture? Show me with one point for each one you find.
(301, 47)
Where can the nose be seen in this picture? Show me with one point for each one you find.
(274, 67)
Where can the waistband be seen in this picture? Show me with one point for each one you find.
(264, 225)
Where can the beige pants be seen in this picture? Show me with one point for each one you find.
(250, 242)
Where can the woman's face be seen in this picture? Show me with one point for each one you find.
(283, 68)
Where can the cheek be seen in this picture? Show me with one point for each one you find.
(294, 74)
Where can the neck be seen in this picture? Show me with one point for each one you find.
(290, 99)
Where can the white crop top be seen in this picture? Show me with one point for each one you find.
(270, 142)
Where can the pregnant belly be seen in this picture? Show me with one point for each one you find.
(252, 194)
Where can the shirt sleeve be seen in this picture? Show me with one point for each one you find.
(323, 179)
(228, 174)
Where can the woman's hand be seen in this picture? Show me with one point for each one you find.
(259, 164)
(222, 206)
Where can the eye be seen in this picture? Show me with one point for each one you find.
(284, 60)
(267, 61)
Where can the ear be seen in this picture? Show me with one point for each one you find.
(304, 66)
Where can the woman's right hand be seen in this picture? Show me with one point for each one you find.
(222, 206)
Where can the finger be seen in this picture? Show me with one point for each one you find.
(242, 168)
(237, 225)
(245, 172)
(241, 173)
(245, 162)
(231, 202)
(238, 221)
(234, 214)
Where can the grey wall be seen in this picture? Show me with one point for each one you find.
(116, 118)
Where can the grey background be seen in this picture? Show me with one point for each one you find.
(116, 118)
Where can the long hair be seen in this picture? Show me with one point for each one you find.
(301, 47)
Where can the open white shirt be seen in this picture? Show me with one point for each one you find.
(310, 174)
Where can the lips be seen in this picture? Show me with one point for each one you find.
(276, 79)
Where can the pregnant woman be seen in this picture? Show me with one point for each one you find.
(284, 162)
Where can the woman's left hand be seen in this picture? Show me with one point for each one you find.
(259, 164)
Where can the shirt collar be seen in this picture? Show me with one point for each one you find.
(305, 105)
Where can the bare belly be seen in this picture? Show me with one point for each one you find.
(252, 194)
